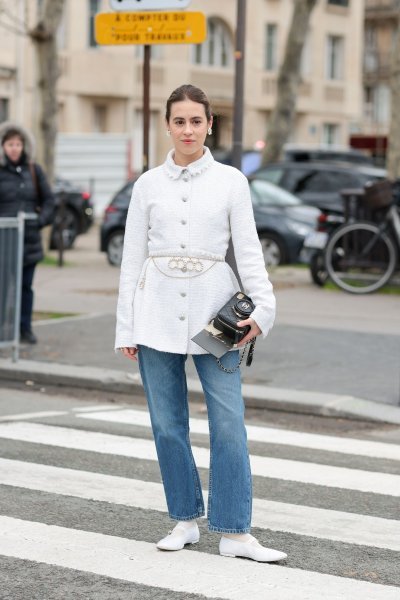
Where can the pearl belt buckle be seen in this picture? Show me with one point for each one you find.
(185, 264)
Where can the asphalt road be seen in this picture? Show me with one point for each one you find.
(360, 364)
(81, 506)
(322, 341)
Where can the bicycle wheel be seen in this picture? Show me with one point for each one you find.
(318, 271)
(360, 258)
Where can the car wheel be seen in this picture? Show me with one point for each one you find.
(115, 244)
(273, 249)
(69, 231)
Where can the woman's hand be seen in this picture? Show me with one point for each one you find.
(254, 331)
(130, 353)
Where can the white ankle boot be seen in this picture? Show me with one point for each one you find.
(179, 537)
(249, 549)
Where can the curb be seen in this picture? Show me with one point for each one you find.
(256, 396)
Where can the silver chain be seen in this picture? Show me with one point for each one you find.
(221, 366)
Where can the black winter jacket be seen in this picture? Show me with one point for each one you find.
(18, 193)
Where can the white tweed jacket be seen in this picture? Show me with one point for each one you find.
(187, 212)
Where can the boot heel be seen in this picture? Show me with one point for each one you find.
(227, 554)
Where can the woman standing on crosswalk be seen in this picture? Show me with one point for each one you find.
(174, 279)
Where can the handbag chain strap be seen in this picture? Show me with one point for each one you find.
(248, 361)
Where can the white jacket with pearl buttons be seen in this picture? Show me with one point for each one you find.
(187, 212)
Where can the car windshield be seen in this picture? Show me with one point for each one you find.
(264, 193)
(273, 174)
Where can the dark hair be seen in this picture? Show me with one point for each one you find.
(188, 92)
(12, 133)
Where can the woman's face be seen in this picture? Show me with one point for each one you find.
(188, 126)
(13, 148)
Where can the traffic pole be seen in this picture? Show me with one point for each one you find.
(146, 106)
(237, 145)
(237, 142)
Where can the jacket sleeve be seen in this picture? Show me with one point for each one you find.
(135, 253)
(46, 199)
(249, 256)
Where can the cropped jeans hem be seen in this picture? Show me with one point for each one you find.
(223, 530)
(189, 518)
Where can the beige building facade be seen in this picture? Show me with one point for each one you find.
(382, 20)
(100, 88)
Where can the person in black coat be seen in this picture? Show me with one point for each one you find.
(24, 187)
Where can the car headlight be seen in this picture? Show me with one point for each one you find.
(299, 228)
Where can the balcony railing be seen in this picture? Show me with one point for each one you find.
(382, 8)
(377, 64)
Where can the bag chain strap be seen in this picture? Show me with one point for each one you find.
(248, 361)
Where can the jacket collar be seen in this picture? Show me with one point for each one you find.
(174, 171)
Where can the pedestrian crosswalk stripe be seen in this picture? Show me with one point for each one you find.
(315, 522)
(207, 574)
(288, 470)
(269, 435)
(34, 415)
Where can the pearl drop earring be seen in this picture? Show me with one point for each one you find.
(209, 131)
(168, 133)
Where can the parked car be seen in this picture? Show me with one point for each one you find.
(251, 159)
(282, 221)
(301, 153)
(76, 215)
(319, 183)
(112, 229)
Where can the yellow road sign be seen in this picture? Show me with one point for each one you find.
(178, 27)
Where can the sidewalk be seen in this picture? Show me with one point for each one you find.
(329, 352)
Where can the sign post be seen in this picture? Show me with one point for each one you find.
(149, 28)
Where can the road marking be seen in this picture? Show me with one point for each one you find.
(268, 435)
(84, 409)
(276, 468)
(350, 528)
(34, 415)
(190, 572)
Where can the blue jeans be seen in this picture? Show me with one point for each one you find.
(230, 486)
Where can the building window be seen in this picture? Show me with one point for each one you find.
(330, 134)
(217, 50)
(339, 2)
(271, 52)
(99, 118)
(93, 10)
(4, 109)
(381, 104)
(334, 57)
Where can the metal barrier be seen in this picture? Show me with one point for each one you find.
(11, 261)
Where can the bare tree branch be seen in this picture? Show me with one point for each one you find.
(281, 120)
(43, 36)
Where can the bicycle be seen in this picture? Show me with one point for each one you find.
(362, 256)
